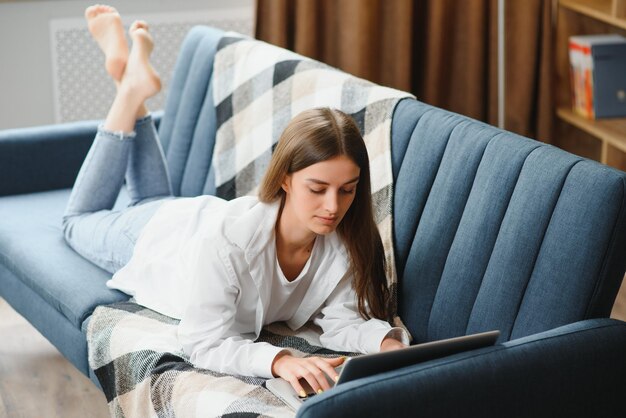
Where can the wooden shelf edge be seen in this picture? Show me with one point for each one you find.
(611, 131)
(600, 11)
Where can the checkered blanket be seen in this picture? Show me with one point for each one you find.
(258, 88)
(144, 372)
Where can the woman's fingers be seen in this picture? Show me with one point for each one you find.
(302, 373)
(321, 370)
(328, 366)
(313, 370)
(335, 362)
(295, 383)
(315, 376)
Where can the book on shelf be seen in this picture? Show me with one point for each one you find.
(598, 75)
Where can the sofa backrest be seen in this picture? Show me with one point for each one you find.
(187, 129)
(492, 230)
(497, 231)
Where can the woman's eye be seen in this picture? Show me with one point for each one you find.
(322, 191)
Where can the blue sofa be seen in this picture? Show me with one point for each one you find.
(492, 231)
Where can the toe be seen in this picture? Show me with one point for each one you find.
(96, 9)
(108, 9)
(91, 11)
(138, 24)
(142, 24)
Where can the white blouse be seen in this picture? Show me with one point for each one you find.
(212, 263)
(286, 296)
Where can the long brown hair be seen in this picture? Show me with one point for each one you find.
(317, 135)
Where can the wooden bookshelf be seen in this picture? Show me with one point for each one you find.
(607, 11)
(604, 139)
(612, 132)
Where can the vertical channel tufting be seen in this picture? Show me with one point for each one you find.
(412, 178)
(540, 245)
(405, 117)
(194, 93)
(203, 141)
(416, 177)
(462, 159)
(177, 83)
(443, 204)
(197, 61)
(569, 262)
(519, 240)
(476, 234)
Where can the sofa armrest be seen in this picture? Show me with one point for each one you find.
(45, 157)
(575, 371)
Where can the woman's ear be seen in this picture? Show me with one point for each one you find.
(286, 184)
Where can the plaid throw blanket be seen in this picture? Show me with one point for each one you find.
(144, 372)
(258, 88)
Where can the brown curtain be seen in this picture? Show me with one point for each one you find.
(443, 51)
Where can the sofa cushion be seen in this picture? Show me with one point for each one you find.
(33, 249)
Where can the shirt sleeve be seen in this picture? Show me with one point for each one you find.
(343, 328)
(206, 329)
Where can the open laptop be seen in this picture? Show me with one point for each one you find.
(370, 364)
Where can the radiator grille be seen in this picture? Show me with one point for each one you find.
(82, 88)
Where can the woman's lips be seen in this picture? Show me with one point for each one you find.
(327, 221)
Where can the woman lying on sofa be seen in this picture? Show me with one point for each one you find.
(305, 248)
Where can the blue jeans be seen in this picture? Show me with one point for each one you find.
(104, 236)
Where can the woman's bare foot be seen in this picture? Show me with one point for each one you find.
(140, 77)
(106, 27)
(139, 82)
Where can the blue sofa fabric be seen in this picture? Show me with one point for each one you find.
(573, 371)
(501, 232)
(491, 231)
(187, 131)
(52, 324)
(33, 249)
(43, 158)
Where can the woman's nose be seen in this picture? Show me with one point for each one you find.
(331, 202)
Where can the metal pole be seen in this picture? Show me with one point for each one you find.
(501, 84)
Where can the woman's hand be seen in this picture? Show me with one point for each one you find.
(312, 369)
(390, 344)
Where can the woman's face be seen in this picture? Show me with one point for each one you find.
(321, 194)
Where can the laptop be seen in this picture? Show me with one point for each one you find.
(370, 364)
